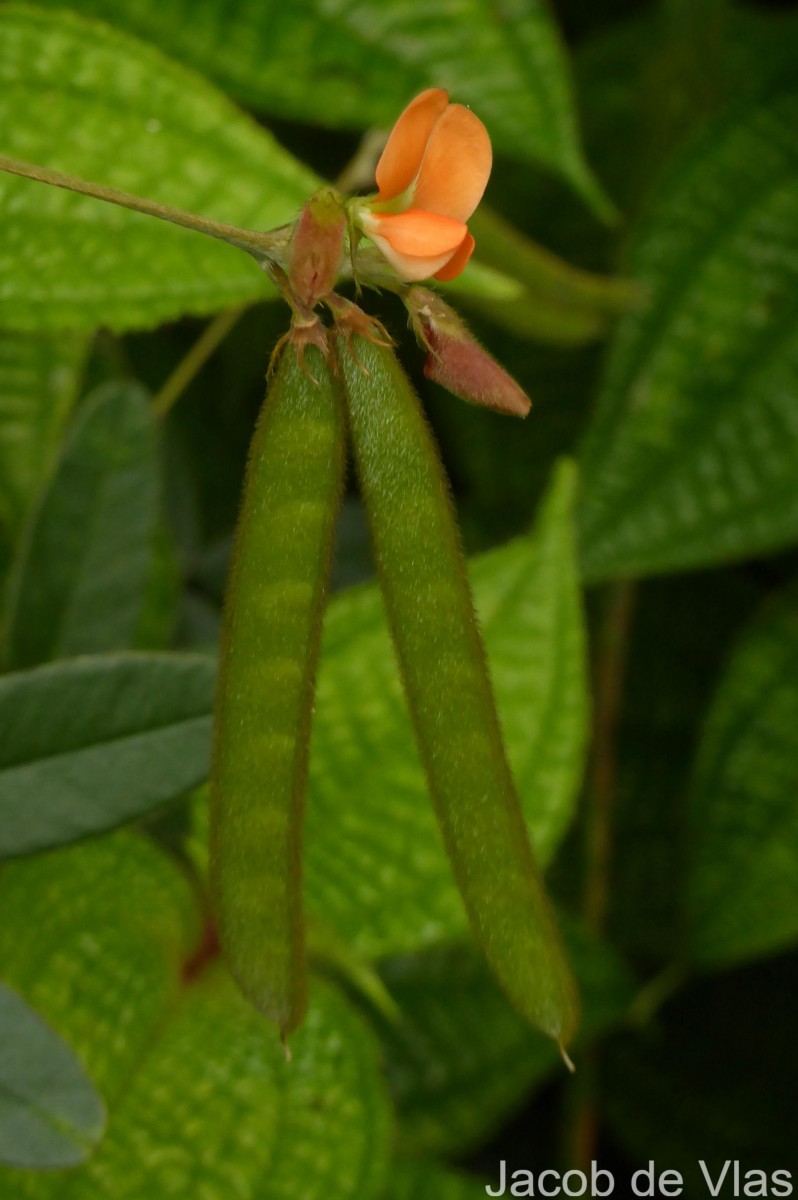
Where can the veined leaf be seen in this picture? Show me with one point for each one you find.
(95, 939)
(50, 1115)
(102, 938)
(91, 743)
(38, 384)
(83, 98)
(693, 454)
(354, 64)
(743, 832)
(216, 1101)
(375, 865)
(84, 562)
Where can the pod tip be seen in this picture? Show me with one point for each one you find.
(286, 1048)
(566, 1058)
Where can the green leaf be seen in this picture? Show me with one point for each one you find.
(78, 96)
(693, 453)
(217, 1102)
(199, 1092)
(85, 561)
(92, 743)
(38, 384)
(352, 65)
(50, 1115)
(461, 1060)
(95, 939)
(743, 819)
(375, 866)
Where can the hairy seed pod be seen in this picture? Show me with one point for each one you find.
(423, 577)
(265, 693)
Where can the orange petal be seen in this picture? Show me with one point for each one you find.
(405, 147)
(456, 165)
(421, 234)
(411, 268)
(459, 260)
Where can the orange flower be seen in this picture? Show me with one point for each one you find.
(431, 177)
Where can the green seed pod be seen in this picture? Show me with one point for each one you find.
(442, 660)
(264, 700)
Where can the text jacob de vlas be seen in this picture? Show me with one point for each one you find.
(732, 1179)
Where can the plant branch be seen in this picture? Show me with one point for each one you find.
(582, 1124)
(609, 676)
(192, 363)
(261, 245)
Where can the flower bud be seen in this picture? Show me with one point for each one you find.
(455, 359)
(317, 247)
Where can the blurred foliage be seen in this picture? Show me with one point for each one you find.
(657, 333)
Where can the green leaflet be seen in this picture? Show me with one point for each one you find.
(354, 64)
(79, 585)
(198, 1090)
(38, 385)
(693, 453)
(274, 602)
(145, 125)
(430, 612)
(92, 743)
(50, 1115)
(375, 867)
(742, 886)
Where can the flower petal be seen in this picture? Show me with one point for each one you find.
(456, 165)
(459, 260)
(404, 150)
(421, 234)
(411, 268)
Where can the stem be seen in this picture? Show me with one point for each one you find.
(261, 245)
(192, 363)
(580, 1114)
(609, 675)
(654, 994)
(609, 679)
